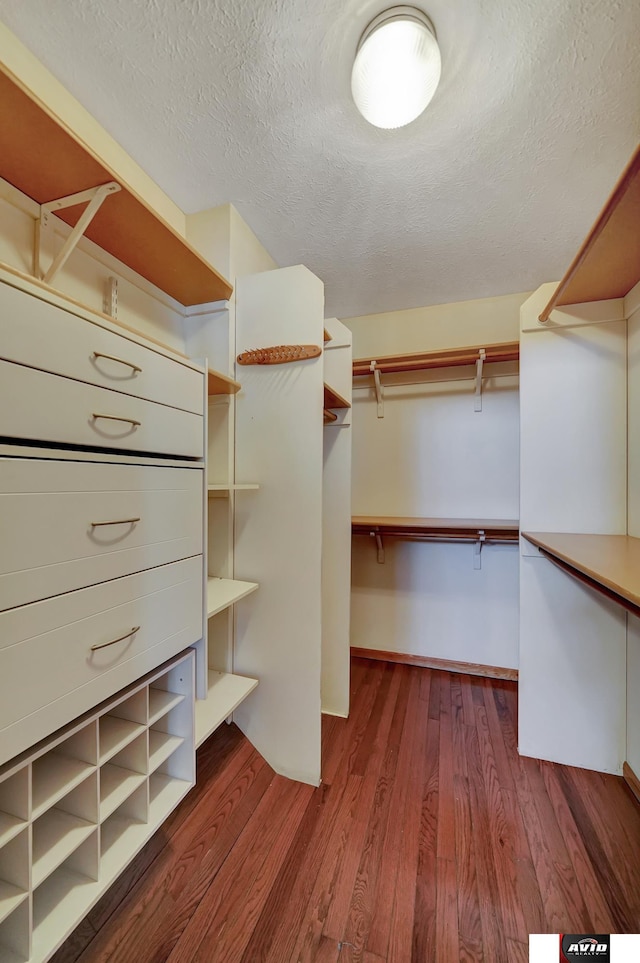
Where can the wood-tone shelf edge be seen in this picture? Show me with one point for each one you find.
(221, 384)
(334, 400)
(609, 564)
(125, 226)
(445, 358)
(608, 263)
(449, 528)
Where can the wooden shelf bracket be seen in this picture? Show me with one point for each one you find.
(379, 396)
(477, 405)
(93, 198)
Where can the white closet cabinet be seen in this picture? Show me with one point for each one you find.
(78, 806)
(101, 595)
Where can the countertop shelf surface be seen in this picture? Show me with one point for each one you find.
(609, 561)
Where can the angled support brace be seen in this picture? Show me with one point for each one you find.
(378, 537)
(93, 198)
(479, 365)
(477, 550)
(379, 389)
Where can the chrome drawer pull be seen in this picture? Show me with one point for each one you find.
(111, 357)
(119, 521)
(130, 421)
(103, 645)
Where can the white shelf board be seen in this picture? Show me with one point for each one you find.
(55, 775)
(10, 826)
(55, 836)
(116, 785)
(223, 592)
(165, 792)
(225, 692)
(249, 487)
(162, 702)
(115, 734)
(67, 897)
(9, 956)
(10, 898)
(161, 746)
(57, 906)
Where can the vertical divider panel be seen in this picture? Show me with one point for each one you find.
(336, 528)
(278, 536)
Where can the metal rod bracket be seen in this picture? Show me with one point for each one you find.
(378, 537)
(477, 550)
(379, 388)
(477, 406)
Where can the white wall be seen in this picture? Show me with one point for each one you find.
(433, 455)
(437, 326)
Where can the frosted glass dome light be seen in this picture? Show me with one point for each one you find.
(397, 67)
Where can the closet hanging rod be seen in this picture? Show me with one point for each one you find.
(448, 358)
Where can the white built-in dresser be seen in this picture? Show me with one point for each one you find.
(101, 596)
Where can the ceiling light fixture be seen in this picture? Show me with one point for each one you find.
(397, 67)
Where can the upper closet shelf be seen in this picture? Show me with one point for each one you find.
(220, 384)
(414, 526)
(447, 358)
(45, 160)
(610, 564)
(476, 530)
(608, 263)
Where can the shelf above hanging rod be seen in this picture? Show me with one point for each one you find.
(468, 529)
(447, 358)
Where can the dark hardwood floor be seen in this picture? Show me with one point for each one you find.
(430, 839)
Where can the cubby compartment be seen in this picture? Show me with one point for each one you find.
(14, 804)
(56, 773)
(77, 807)
(14, 874)
(122, 775)
(120, 726)
(122, 832)
(62, 829)
(15, 935)
(63, 898)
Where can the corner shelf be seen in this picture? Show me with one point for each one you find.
(334, 400)
(221, 384)
(222, 491)
(223, 592)
(225, 692)
(125, 225)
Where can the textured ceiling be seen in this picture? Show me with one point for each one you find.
(248, 101)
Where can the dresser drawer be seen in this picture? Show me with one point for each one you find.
(49, 673)
(41, 335)
(56, 528)
(44, 407)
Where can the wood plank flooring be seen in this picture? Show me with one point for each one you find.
(430, 839)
